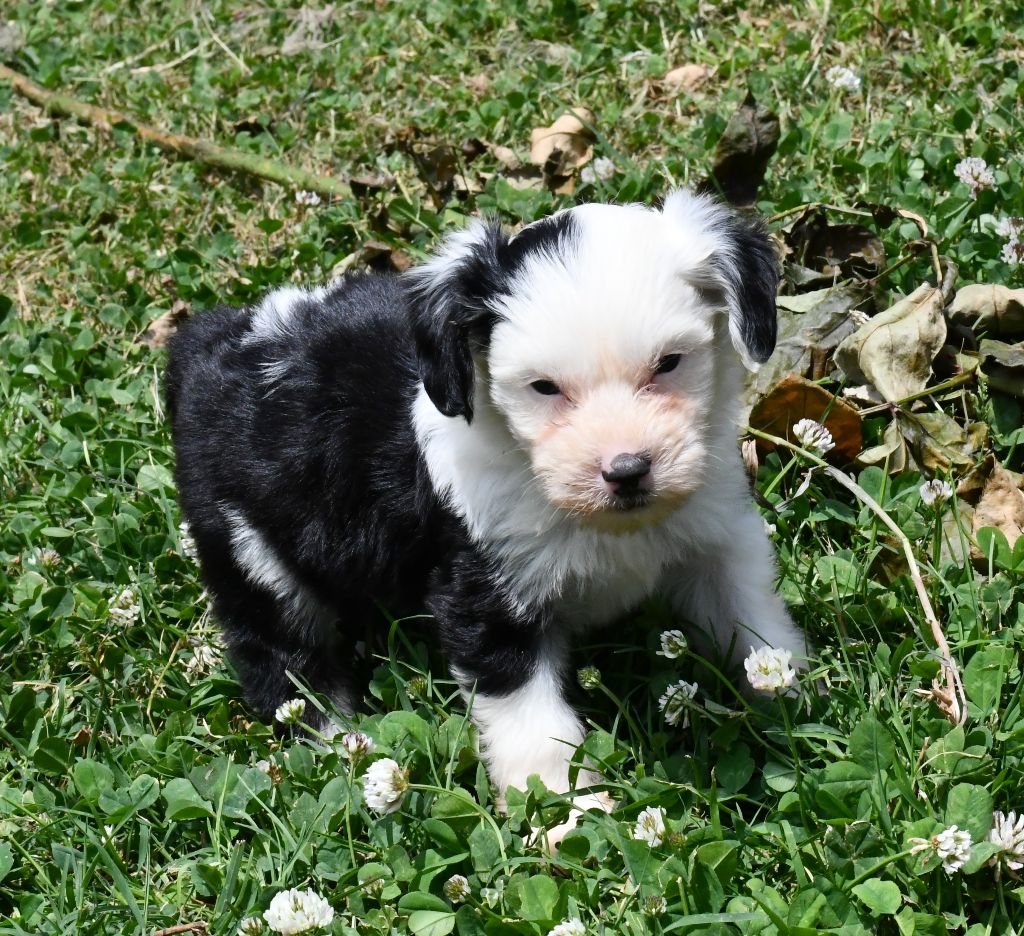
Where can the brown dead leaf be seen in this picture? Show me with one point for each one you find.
(378, 255)
(894, 351)
(165, 325)
(835, 249)
(506, 157)
(1001, 505)
(563, 147)
(743, 151)
(810, 326)
(685, 78)
(993, 309)
(479, 84)
(796, 398)
(938, 444)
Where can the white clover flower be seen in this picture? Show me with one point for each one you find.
(673, 702)
(859, 317)
(1013, 252)
(290, 712)
(953, 846)
(768, 669)
(307, 198)
(250, 926)
(263, 766)
(187, 541)
(48, 558)
(1010, 227)
(600, 170)
(650, 826)
(295, 911)
(589, 678)
(384, 785)
(975, 174)
(357, 745)
(1008, 836)
(673, 644)
(813, 436)
(655, 905)
(204, 659)
(935, 492)
(568, 928)
(456, 888)
(108, 831)
(124, 609)
(770, 528)
(843, 78)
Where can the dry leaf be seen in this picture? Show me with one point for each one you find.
(938, 444)
(996, 310)
(165, 325)
(479, 84)
(1001, 505)
(846, 249)
(891, 451)
(685, 77)
(506, 157)
(810, 326)
(894, 351)
(742, 154)
(794, 399)
(563, 148)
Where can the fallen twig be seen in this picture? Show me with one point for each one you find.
(949, 694)
(181, 928)
(202, 151)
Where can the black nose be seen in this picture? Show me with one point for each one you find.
(627, 469)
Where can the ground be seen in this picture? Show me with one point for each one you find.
(137, 793)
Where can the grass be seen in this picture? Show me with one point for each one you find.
(130, 796)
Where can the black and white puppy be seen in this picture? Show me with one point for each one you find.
(528, 435)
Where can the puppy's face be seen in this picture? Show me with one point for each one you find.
(601, 362)
(601, 354)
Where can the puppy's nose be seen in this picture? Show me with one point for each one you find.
(626, 470)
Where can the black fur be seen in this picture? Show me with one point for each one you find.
(322, 461)
(453, 314)
(754, 273)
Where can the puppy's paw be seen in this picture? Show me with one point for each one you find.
(550, 838)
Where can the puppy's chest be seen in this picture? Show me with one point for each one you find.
(599, 603)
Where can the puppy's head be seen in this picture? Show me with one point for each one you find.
(594, 334)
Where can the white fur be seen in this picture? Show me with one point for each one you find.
(274, 313)
(263, 567)
(532, 730)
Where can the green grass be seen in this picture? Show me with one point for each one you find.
(130, 799)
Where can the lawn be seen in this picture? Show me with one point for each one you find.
(137, 792)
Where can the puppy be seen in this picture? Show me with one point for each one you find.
(527, 435)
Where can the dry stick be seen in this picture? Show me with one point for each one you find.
(951, 698)
(202, 151)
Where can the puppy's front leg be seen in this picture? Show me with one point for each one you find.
(727, 590)
(511, 667)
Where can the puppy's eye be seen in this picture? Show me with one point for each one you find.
(546, 387)
(668, 363)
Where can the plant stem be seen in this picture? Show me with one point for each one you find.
(201, 151)
(951, 698)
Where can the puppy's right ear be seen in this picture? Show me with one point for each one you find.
(451, 317)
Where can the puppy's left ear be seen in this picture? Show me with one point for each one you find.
(736, 266)
(450, 315)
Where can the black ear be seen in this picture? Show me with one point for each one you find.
(451, 317)
(752, 270)
(735, 264)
